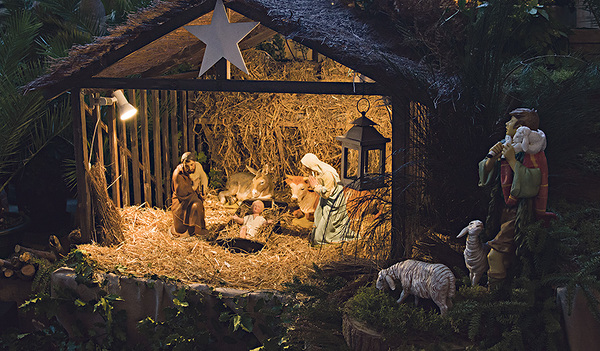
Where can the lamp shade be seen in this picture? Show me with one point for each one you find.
(126, 110)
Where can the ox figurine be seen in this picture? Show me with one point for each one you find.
(358, 202)
(307, 199)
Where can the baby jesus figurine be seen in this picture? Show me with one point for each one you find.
(252, 222)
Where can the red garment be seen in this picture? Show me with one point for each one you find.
(530, 161)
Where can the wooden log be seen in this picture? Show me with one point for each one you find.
(7, 272)
(27, 272)
(55, 246)
(360, 337)
(75, 237)
(25, 257)
(14, 260)
(6, 264)
(50, 256)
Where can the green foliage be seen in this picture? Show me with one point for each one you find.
(521, 322)
(315, 315)
(106, 333)
(195, 324)
(397, 321)
(184, 326)
(30, 32)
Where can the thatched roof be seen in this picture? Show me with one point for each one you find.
(153, 41)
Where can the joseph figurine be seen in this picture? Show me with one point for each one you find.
(187, 207)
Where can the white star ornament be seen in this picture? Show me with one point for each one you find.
(221, 39)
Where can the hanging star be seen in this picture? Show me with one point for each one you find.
(221, 39)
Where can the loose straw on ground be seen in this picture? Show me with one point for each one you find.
(149, 249)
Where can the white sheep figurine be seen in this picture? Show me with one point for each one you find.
(530, 141)
(475, 253)
(425, 280)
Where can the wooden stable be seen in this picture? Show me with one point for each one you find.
(121, 61)
(134, 177)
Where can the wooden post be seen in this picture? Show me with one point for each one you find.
(184, 121)
(84, 204)
(115, 185)
(145, 148)
(222, 69)
(135, 153)
(191, 134)
(174, 145)
(155, 112)
(99, 138)
(124, 163)
(166, 164)
(400, 133)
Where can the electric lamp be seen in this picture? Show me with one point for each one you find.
(126, 110)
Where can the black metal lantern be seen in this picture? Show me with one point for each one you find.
(363, 153)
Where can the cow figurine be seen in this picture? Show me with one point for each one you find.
(306, 197)
(258, 185)
(358, 202)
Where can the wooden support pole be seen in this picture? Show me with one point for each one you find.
(135, 153)
(166, 164)
(99, 136)
(167, 156)
(124, 162)
(155, 112)
(115, 185)
(174, 130)
(400, 133)
(143, 113)
(184, 121)
(191, 134)
(84, 204)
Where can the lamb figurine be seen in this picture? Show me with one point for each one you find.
(475, 253)
(426, 280)
(530, 141)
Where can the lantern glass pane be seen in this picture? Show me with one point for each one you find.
(351, 163)
(373, 162)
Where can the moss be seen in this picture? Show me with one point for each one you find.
(397, 321)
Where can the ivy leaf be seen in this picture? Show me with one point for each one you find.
(224, 317)
(178, 303)
(246, 323)
(236, 320)
(79, 303)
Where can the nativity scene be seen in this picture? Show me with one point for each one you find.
(227, 152)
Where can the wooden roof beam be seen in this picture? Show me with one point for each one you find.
(250, 86)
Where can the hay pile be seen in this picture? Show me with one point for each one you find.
(149, 249)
